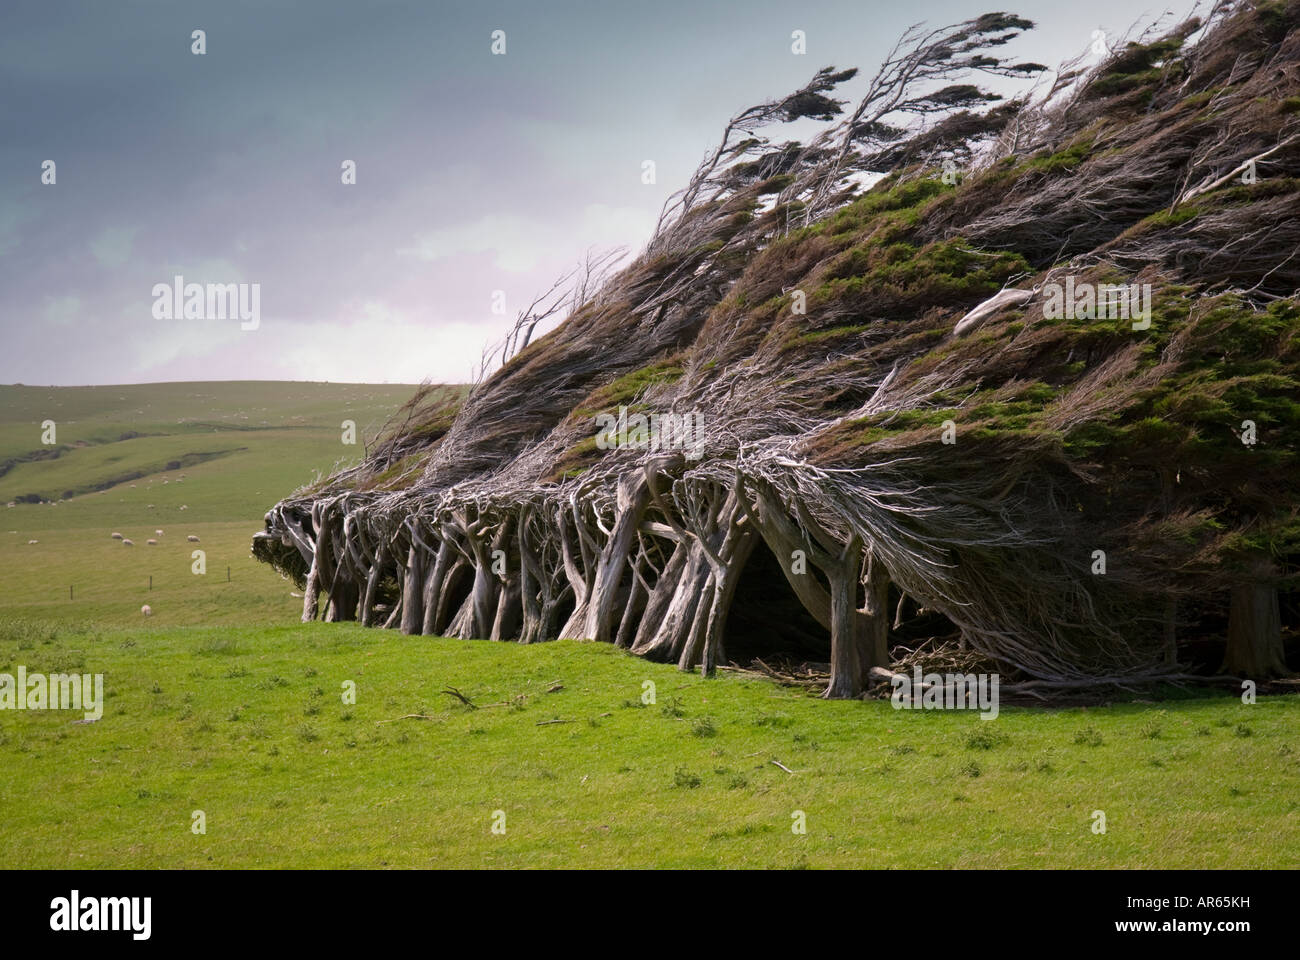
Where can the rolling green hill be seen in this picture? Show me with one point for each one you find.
(199, 459)
(114, 436)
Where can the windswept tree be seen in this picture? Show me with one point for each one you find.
(851, 426)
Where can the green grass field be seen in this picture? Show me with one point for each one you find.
(248, 726)
(222, 702)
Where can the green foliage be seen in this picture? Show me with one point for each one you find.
(895, 274)
(1063, 160)
(1166, 219)
(1138, 65)
(628, 387)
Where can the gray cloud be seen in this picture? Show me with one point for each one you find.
(475, 173)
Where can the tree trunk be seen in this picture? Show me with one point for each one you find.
(413, 590)
(873, 621)
(1255, 627)
(433, 586)
(372, 586)
(632, 497)
(847, 668)
(311, 595)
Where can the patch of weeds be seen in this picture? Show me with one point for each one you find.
(683, 778)
(673, 708)
(982, 738)
(307, 733)
(1242, 730)
(900, 749)
(1088, 737)
(1152, 729)
(220, 646)
(704, 727)
(971, 769)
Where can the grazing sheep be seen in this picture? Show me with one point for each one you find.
(128, 543)
(157, 533)
(151, 542)
(11, 503)
(30, 542)
(184, 507)
(147, 610)
(116, 536)
(192, 539)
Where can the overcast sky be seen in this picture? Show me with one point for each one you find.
(475, 172)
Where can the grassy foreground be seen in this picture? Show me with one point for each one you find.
(248, 725)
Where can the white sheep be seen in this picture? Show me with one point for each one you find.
(147, 610)
(31, 542)
(128, 543)
(158, 533)
(184, 507)
(151, 542)
(192, 539)
(115, 535)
